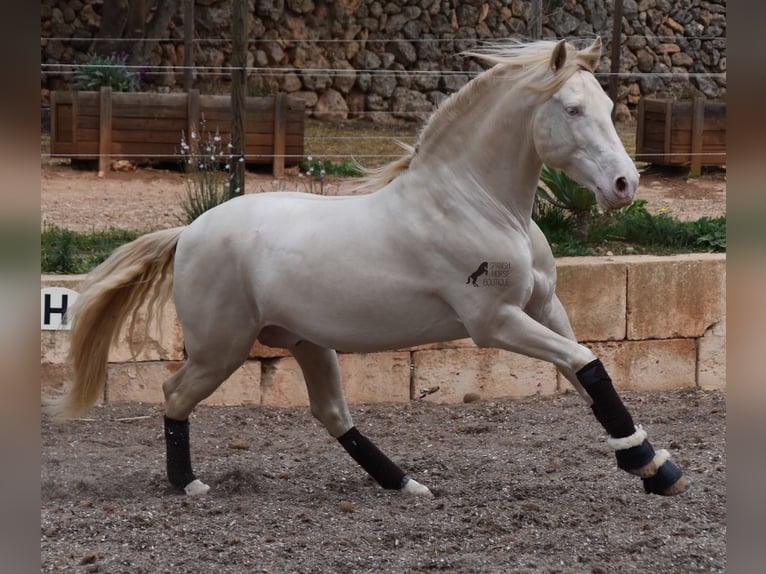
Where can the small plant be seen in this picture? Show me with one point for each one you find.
(59, 251)
(316, 170)
(565, 193)
(109, 71)
(207, 180)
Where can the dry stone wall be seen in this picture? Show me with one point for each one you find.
(401, 57)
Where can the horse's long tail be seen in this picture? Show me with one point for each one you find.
(136, 273)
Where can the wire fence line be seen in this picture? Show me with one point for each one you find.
(283, 71)
(251, 41)
(251, 158)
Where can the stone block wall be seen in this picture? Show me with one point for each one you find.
(657, 323)
(401, 57)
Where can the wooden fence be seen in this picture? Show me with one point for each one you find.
(685, 133)
(105, 126)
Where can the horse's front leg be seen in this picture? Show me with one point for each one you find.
(554, 341)
(328, 405)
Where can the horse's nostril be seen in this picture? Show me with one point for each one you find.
(621, 184)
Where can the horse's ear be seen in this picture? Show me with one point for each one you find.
(592, 54)
(559, 56)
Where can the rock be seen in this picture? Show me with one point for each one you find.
(331, 106)
(426, 78)
(291, 82)
(682, 59)
(563, 22)
(453, 82)
(376, 103)
(367, 60)
(645, 60)
(344, 78)
(387, 59)
(318, 80)
(301, 6)
(272, 9)
(412, 30)
(395, 23)
(239, 444)
(668, 49)
(673, 25)
(383, 84)
(410, 104)
(707, 86)
(123, 165)
(355, 103)
(404, 52)
(346, 506)
(629, 9)
(428, 49)
(310, 98)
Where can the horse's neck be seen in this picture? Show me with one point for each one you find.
(486, 148)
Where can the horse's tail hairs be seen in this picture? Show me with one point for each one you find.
(378, 177)
(137, 277)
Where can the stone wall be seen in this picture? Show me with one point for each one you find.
(612, 303)
(378, 57)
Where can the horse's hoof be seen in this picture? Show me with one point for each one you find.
(414, 488)
(678, 487)
(196, 488)
(668, 481)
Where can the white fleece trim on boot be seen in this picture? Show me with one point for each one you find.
(629, 441)
(660, 458)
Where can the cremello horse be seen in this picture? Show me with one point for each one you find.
(266, 266)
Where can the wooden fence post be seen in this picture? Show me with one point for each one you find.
(280, 134)
(668, 148)
(698, 126)
(75, 115)
(104, 130)
(615, 53)
(238, 102)
(188, 46)
(192, 120)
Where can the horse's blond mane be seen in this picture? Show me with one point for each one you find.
(514, 61)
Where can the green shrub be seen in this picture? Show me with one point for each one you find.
(635, 225)
(67, 252)
(110, 71)
(710, 233)
(563, 192)
(567, 214)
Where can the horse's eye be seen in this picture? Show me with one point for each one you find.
(574, 111)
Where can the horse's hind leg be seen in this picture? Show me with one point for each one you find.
(211, 360)
(633, 451)
(328, 405)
